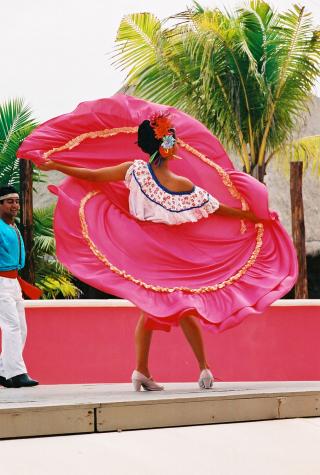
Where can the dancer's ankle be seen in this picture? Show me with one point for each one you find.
(144, 370)
(204, 366)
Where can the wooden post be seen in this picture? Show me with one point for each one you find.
(298, 228)
(26, 217)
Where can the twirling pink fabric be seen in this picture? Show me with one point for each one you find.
(167, 271)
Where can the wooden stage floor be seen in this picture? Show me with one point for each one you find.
(89, 408)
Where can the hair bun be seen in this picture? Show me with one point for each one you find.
(146, 138)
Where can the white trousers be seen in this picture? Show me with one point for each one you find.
(13, 327)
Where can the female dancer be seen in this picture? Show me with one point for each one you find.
(171, 263)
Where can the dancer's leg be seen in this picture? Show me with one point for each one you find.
(193, 334)
(141, 376)
(142, 341)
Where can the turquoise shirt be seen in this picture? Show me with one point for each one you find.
(12, 253)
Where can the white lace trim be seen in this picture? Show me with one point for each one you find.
(150, 201)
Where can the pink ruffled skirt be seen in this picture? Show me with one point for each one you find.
(218, 269)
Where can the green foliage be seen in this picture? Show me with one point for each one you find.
(44, 241)
(57, 285)
(247, 74)
(16, 123)
(305, 149)
(51, 276)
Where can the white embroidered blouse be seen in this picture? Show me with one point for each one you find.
(151, 201)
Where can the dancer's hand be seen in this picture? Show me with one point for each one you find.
(274, 216)
(47, 165)
(252, 217)
(225, 210)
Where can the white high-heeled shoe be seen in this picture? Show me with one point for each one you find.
(206, 379)
(140, 380)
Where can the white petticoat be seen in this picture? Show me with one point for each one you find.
(151, 201)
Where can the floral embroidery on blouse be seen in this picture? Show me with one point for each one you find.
(147, 195)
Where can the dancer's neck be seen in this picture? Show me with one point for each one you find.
(163, 165)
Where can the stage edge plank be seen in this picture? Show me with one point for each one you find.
(46, 421)
(185, 413)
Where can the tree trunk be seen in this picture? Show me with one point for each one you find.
(298, 228)
(26, 217)
(259, 172)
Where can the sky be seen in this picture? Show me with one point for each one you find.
(57, 53)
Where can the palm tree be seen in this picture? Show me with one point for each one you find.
(16, 123)
(247, 75)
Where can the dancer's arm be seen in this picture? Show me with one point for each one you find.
(224, 210)
(115, 173)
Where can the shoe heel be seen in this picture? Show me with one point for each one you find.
(206, 379)
(207, 383)
(136, 385)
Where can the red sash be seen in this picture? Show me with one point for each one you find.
(29, 290)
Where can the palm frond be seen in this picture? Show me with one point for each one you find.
(145, 50)
(247, 75)
(16, 123)
(14, 117)
(51, 276)
(44, 241)
(291, 71)
(137, 43)
(306, 150)
(56, 286)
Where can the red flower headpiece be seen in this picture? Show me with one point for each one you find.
(161, 124)
(163, 130)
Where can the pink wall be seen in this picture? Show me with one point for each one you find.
(93, 345)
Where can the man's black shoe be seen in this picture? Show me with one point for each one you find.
(23, 380)
(7, 383)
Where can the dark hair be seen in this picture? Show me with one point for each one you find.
(147, 141)
(6, 190)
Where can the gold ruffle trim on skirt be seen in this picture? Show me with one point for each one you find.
(105, 133)
(91, 135)
(158, 288)
(226, 180)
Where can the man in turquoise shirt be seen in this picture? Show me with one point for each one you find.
(13, 372)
